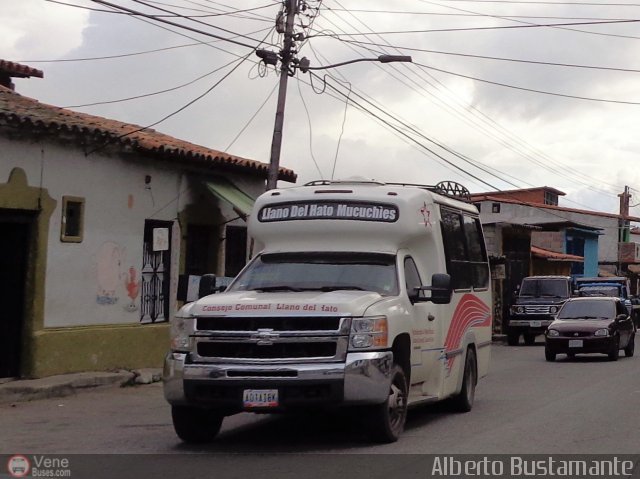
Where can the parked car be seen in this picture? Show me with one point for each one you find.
(538, 300)
(591, 325)
(594, 286)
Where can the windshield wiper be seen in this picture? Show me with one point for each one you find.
(281, 287)
(327, 289)
(338, 288)
(581, 317)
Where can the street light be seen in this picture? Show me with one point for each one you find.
(304, 62)
(304, 66)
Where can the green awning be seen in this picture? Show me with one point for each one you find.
(226, 191)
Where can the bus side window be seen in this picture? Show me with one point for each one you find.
(412, 277)
(465, 251)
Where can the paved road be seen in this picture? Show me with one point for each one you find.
(526, 405)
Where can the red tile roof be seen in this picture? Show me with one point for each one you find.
(497, 199)
(94, 132)
(17, 70)
(554, 256)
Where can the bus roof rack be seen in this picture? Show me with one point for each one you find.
(445, 188)
(343, 182)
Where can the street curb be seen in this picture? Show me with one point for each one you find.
(60, 386)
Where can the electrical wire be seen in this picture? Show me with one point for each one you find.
(141, 2)
(502, 131)
(450, 163)
(168, 22)
(146, 95)
(306, 109)
(513, 198)
(125, 55)
(485, 57)
(436, 14)
(242, 130)
(344, 121)
(514, 2)
(532, 90)
(470, 29)
(529, 23)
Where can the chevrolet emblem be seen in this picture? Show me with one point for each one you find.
(265, 336)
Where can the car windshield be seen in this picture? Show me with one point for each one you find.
(320, 272)
(599, 291)
(544, 287)
(588, 310)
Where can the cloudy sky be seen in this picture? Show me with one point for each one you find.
(495, 97)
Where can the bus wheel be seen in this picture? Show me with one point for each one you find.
(386, 420)
(463, 402)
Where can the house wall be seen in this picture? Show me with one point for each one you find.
(590, 255)
(494, 247)
(607, 242)
(88, 318)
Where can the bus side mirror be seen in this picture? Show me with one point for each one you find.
(207, 285)
(440, 289)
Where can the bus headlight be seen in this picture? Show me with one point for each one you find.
(180, 331)
(369, 332)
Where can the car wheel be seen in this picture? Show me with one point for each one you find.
(386, 420)
(463, 401)
(614, 354)
(196, 425)
(629, 350)
(529, 339)
(548, 355)
(513, 338)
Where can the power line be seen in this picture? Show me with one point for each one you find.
(436, 14)
(124, 55)
(466, 159)
(469, 29)
(168, 22)
(513, 198)
(240, 62)
(501, 129)
(596, 4)
(532, 90)
(450, 163)
(484, 57)
(306, 109)
(445, 105)
(146, 95)
(529, 23)
(141, 2)
(242, 130)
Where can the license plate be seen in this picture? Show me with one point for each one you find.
(260, 398)
(575, 343)
(536, 324)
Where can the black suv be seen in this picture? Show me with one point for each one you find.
(537, 302)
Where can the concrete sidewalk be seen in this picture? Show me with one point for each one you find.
(67, 384)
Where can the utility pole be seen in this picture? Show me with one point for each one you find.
(289, 64)
(625, 200)
(285, 57)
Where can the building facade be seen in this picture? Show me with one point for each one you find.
(100, 221)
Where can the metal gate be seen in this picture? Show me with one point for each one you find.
(156, 258)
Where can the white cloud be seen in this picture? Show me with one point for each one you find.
(34, 29)
(510, 130)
